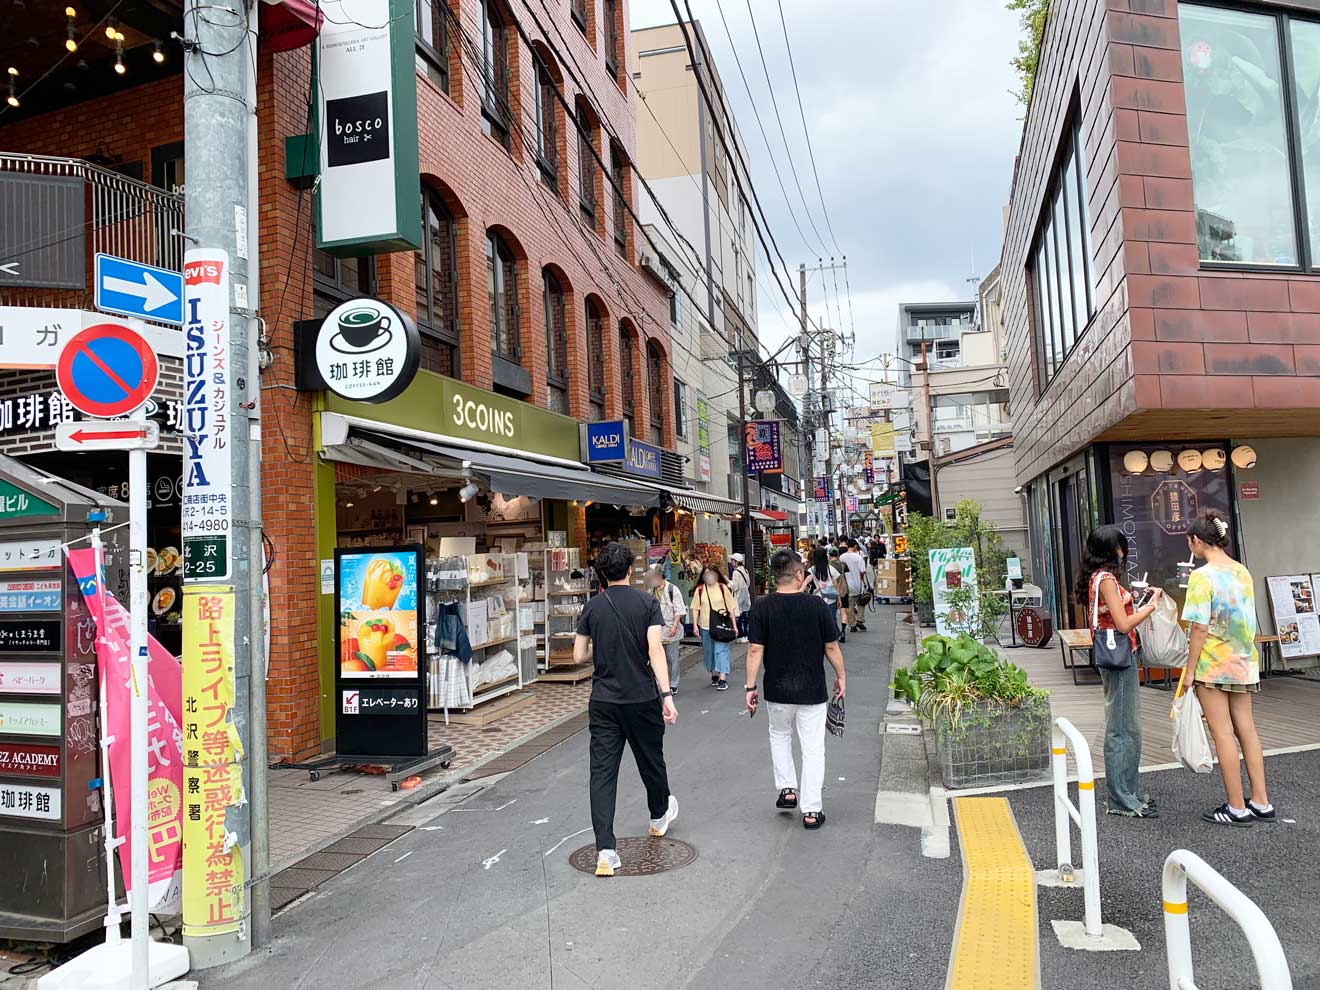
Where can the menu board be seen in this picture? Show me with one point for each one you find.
(1293, 604)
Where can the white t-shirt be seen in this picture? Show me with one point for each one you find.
(855, 564)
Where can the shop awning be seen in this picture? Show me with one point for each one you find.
(695, 501)
(770, 515)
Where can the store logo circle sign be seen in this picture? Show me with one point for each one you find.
(107, 370)
(367, 351)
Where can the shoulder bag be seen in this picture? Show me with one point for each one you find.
(1110, 649)
(721, 622)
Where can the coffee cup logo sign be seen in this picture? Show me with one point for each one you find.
(367, 351)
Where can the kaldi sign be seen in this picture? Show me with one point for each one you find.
(29, 760)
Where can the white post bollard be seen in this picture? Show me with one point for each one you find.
(1062, 828)
(1271, 964)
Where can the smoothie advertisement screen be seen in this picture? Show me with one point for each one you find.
(378, 608)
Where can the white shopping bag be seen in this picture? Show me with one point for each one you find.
(1191, 745)
(1163, 642)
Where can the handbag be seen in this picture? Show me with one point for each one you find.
(1163, 642)
(834, 716)
(1191, 745)
(721, 624)
(1113, 650)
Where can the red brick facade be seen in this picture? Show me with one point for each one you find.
(1174, 350)
(486, 187)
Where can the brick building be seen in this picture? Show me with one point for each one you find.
(1161, 303)
(527, 286)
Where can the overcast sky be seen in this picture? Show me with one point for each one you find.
(914, 128)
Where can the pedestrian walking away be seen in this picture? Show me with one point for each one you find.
(845, 600)
(1112, 614)
(825, 580)
(740, 582)
(620, 632)
(855, 568)
(673, 609)
(715, 612)
(791, 634)
(1221, 614)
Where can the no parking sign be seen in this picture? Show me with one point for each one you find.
(107, 370)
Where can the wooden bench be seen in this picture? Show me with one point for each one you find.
(1072, 642)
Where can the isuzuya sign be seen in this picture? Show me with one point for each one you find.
(366, 351)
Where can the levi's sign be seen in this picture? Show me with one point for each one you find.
(605, 443)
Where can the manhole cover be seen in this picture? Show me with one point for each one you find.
(642, 856)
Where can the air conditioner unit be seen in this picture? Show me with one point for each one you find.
(650, 263)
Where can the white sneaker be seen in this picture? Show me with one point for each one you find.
(659, 826)
(607, 861)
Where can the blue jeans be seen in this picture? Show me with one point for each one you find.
(715, 654)
(1123, 738)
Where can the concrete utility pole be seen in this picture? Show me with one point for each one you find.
(826, 338)
(219, 97)
(748, 549)
(804, 355)
(930, 432)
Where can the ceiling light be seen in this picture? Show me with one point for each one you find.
(435, 499)
(13, 91)
(119, 56)
(468, 491)
(110, 29)
(158, 56)
(348, 505)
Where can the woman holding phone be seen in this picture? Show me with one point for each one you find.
(1109, 606)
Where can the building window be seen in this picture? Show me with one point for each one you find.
(586, 169)
(619, 173)
(432, 23)
(627, 376)
(596, 359)
(673, 303)
(436, 266)
(612, 54)
(494, 75)
(547, 127)
(556, 343)
(680, 408)
(578, 8)
(720, 162)
(655, 390)
(1060, 267)
(337, 280)
(502, 286)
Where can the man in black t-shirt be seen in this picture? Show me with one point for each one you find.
(621, 630)
(792, 634)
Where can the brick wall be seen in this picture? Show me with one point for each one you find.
(1174, 350)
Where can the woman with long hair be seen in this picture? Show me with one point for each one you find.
(713, 595)
(1221, 614)
(827, 581)
(1109, 606)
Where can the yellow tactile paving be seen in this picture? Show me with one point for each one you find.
(995, 945)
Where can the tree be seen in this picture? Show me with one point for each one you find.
(1034, 15)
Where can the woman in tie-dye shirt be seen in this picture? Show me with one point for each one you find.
(1221, 616)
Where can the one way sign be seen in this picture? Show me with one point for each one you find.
(134, 289)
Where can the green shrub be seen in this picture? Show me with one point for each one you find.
(949, 674)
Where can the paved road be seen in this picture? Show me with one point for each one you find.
(480, 900)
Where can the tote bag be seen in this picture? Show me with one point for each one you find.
(1110, 649)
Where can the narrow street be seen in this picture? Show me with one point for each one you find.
(484, 896)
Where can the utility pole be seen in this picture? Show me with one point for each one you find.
(826, 339)
(930, 432)
(221, 527)
(804, 355)
(748, 550)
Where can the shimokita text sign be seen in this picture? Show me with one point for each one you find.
(367, 200)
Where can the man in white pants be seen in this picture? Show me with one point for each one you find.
(792, 634)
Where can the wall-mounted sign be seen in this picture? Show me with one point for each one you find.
(379, 701)
(208, 404)
(643, 459)
(365, 350)
(22, 718)
(765, 453)
(1174, 505)
(1249, 490)
(605, 442)
(820, 488)
(29, 760)
(17, 504)
(31, 635)
(703, 467)
(29, 801)
(366, 112)
(1293, 608)
(30, 555)
(30, 678)
(882, 438)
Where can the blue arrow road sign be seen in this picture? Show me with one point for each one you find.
(134, 289)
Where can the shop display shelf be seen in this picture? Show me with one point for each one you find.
(556, 593)
(489, 583)
(486, 688)
(494, 642)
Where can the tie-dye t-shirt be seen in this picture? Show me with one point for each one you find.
(1223, 599)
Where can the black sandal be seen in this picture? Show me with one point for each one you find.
(787, 799)
(817, 820)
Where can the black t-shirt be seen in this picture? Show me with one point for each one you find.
(794, 629)
(623, 668)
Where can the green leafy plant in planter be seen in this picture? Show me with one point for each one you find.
(991, 724)
(925, 533)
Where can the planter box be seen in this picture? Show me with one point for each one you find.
(991, 744)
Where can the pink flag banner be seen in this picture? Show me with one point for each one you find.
(164, 736)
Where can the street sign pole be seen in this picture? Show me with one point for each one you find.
(137, 597)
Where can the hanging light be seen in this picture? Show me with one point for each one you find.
(119, 55)
(70, 42)
(158, 56)
(13, 91)
(111, 29)
(435, 499)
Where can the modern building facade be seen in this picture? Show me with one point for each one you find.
(937, 325)
(1160, 293)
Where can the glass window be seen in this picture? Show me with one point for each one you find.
(1076, 250)
(1238, 135)
(627, 373)
(556, 343)
(579, 11)
(436, 268)
(655, 384)
(1048, 305)
(620, 177)
(432, 22)
(596, 359)
(547, 127)
(494, 74)
(1306, 93)
(502, 288)
(337, 280)
(680, 408)
(1067, 333)
(586, 169)
(612, 59)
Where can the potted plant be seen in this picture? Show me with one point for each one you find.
(990, 724)
(968, 529)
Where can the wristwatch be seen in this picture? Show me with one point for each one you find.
(666, 694)
(750, 687)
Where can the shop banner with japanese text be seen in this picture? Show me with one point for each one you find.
(765, 453)
(213, 892)
(164, 736)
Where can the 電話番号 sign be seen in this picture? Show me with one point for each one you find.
(208, 403)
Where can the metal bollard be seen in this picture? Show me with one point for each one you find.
(1271, 964)
(1083, 813)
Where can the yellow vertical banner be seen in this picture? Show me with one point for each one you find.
(213, 881)
(882, 439)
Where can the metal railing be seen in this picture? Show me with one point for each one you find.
(1271, 965)
(1083, 813)
(123, 216)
